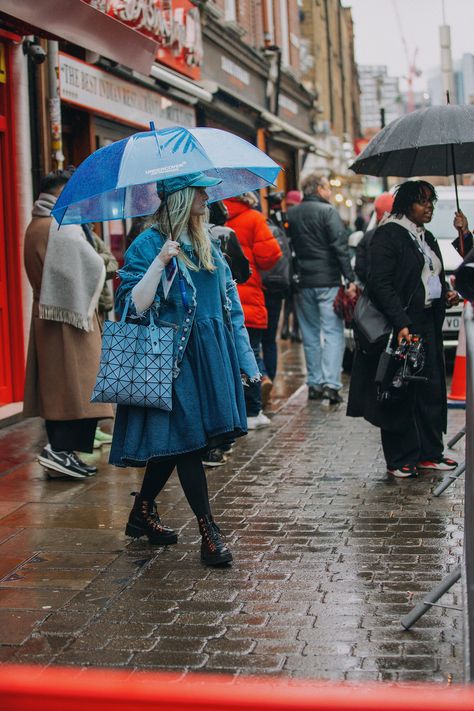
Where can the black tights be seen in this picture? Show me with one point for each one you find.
(191, 476)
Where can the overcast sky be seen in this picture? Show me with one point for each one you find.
(378, 38)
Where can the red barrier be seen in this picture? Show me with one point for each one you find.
(72, 689)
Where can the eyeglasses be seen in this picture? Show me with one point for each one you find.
(426, 201)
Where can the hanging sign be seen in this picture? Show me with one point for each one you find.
(175, 25)
(92, 88)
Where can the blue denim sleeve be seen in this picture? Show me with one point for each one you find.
(138, 258)
(247, 362)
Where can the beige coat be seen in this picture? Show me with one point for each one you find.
(62, 360)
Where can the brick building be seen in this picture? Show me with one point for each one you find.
(330, 71)
(252, 67)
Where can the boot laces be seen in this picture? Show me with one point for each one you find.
(212, 534)
(148, 511)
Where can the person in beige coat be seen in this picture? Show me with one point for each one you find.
(67, 276)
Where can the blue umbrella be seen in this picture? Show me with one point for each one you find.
(123, 179)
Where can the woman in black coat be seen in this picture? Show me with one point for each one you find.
(407, 283)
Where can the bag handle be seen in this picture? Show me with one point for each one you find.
(125, 312)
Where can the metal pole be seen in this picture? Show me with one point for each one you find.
(454, 440)
(408, 620)
(449, 479)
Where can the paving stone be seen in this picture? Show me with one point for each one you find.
(167, 659)
(17, 625)
(328, 555)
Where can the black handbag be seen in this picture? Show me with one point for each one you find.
(371, 326)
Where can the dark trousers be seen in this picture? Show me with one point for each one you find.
(191, 475)
(423, 438)
(273, 303)
(253, 391)
(71, 435)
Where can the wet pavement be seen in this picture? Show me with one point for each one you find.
(329, 554)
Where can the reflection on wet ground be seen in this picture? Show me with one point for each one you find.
(329, 554)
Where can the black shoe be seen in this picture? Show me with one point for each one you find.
(227, 447)
(314, 393)
(90, 469)
(144, 521)
(62, 464)
(332, 395)
(213, 549)
(214, 458)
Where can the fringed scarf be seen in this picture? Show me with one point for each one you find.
(73, 272)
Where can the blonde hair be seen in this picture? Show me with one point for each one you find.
(179, 210)
(249, 199)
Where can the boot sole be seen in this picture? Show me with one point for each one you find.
(136, 532)
(225, 558)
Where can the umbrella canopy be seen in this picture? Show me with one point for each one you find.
(123, 179)
(424, 142)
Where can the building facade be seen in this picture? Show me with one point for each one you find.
(330, 71)
(252, 67)
(77, 75)
(378, 91)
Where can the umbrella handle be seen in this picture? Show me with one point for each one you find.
(461, 241)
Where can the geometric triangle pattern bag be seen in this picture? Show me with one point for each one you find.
(136, 364)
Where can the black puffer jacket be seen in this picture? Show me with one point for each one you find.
(319, 239)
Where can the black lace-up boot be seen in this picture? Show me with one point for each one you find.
(144, 521)
(213, 549)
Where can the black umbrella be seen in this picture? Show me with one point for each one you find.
(438, 140)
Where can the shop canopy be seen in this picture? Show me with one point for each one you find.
(77, 22)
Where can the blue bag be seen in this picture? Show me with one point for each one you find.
(136, 364)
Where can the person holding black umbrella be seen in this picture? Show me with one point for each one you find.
(406, 282)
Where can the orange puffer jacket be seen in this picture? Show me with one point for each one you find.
(263, 252)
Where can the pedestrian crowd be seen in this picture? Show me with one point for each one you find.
(229, 281)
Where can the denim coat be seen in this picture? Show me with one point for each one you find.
(171, 311)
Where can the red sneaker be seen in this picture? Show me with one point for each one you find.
(439, 465)
(409, 471)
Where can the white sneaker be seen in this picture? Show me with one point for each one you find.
(257, 422)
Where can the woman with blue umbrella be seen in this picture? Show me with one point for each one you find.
(212, 352)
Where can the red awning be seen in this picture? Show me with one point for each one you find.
(81, 24)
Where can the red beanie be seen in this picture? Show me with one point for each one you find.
(293, 197)
(383, 204)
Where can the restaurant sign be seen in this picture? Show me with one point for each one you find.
(175, 26)
(92, 88)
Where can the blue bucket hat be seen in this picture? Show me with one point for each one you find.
(191, 180)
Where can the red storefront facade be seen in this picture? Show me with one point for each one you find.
(142, 50)
(11, 320)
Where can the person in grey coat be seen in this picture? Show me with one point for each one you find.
(319, 240)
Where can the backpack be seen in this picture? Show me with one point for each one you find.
(278, 278)
(233, 252)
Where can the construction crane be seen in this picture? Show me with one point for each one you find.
(413, 70)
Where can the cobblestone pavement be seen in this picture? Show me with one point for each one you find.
(329, 554)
